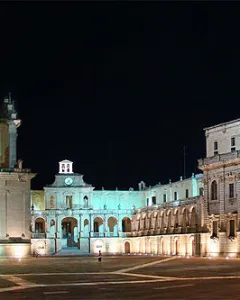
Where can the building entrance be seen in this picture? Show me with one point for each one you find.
(70, 232)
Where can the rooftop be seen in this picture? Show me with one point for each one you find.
(222, 124)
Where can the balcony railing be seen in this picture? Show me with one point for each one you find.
(174, 203)
(38, 235)
(110, 234)
(219, 158)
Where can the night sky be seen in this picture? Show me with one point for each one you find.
(119, 88)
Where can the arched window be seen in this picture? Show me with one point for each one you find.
(214, 190)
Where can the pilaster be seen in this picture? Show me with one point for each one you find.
(222, 205)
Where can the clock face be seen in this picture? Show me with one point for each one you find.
(68, 181)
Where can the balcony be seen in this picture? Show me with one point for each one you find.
(219, 158)
(38, 235)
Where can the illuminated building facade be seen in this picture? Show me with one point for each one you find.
(15, 234)
(69, 216)
(193, 216)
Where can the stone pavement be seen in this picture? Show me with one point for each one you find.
(63, 276)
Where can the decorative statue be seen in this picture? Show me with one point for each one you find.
(19, 163)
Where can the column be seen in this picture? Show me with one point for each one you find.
(205, 205)
(80, 226)
(91, 225)
(221, 203)
(238, 201)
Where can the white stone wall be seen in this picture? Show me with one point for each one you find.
(222, 134)
(192, 184)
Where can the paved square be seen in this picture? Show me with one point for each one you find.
(120, 277)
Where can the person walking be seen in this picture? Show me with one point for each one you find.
(99, 256)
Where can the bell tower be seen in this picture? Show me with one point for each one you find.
(9, 123)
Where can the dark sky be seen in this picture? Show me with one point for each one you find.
(119, 88)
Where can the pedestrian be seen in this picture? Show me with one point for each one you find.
(99, 256)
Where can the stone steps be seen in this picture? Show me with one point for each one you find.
(71, 252)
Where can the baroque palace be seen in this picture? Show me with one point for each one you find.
(193, 216)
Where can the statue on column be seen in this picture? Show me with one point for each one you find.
(19, 164)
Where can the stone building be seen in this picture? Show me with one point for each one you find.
(15, 234)
(221, 169)
(70, 215)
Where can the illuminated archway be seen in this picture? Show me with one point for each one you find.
(126, 225)
(112, 226)
(86, 228)
(98, 226)
(176, 219)
(70, 231)
(193, 217)
(184, 218)
(127, 247)
(40, 225)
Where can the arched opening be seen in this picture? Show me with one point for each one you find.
(162, 221)
(70, 231)
(52, 227)
(127, 247)
(98, 226)
(191, 246)
(214, 190)
(177, 219)
(176, 247)
(184, 218)
(86, 228)
(39, 225)
(169, 220)
(126, 224)
(52, 202)
(193, 218)
(113, 226)
(85, 201)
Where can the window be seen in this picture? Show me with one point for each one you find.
(215, 148)
(232, 228)
(175, 195)
(214, 190)
(187, 194)
(147, 201)
(231, 190)
(164, 198)
(154, 200)
(69, 201)
(233, 148)
(201, 191)
(215, 229)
